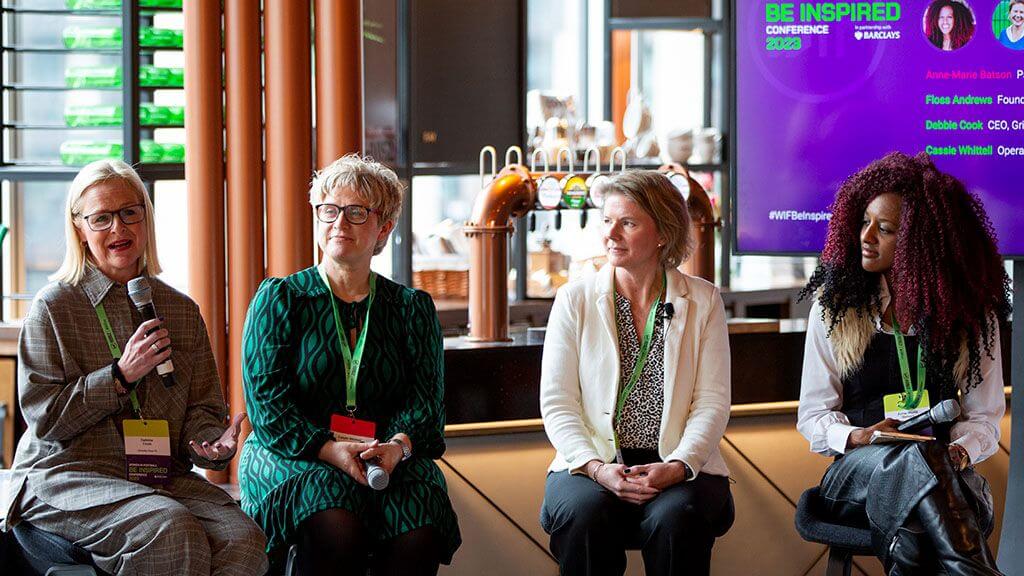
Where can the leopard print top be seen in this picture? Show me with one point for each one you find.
(640, 424)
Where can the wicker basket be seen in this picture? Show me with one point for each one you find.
(443, 284)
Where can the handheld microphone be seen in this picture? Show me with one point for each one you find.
(142, 297)
(376, 476)
(945, 411)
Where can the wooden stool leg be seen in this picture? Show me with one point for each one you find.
(840, 562)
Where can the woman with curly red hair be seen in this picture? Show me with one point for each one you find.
(910, 277)
(949, 24)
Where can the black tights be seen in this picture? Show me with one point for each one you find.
(335, 542)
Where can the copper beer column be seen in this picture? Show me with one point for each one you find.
(338, 79)
(702, 226)
(288, 135)
(511, 193)
(245, 183)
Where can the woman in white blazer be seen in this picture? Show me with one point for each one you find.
(635, 396)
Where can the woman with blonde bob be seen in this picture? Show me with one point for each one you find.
(635, 397)
(86, 377)
(344, 380)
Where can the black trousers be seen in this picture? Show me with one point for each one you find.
(591, 528)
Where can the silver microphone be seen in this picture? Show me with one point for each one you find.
(945, 411)
(376, 476)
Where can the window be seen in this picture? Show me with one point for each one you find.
(34, 249)
(670, 67)
(556, 47)
(61, 107)
(170, 203)
(440, 252)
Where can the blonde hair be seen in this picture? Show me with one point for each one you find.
(659, 198)
(76, 261)
(375, 182)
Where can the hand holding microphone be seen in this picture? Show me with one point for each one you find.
(381, 460)
(941, 413)
(142, 296)
(148, 347)
(945, 411)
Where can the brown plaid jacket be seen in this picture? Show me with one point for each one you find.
(72, 454)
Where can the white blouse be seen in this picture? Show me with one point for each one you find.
(820, 420)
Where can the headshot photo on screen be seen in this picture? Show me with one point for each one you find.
(949, 24)
(1008, 24)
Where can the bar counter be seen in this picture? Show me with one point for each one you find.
(493, 387)
(500, 381)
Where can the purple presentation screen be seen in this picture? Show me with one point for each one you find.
(824, 88)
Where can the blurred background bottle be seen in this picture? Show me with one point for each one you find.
(111, 115)
(109, 37)
(110, 77)
(79, 152)
(115, 4)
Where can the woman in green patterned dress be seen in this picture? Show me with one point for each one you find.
(326, 365)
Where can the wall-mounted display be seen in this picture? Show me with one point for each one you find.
(824, 88)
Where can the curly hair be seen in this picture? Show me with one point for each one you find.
(947, 274)
(963, 23)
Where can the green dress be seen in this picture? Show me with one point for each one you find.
(294, 381)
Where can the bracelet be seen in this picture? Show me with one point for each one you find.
(597, 470)
(119, 376)
(965, 458)
(406, 451)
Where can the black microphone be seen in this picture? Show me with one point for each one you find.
(142, 296)
(945, 411)
(668, 311)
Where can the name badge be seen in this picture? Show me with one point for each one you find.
(147, 450)
(894, 406)
(349, 429)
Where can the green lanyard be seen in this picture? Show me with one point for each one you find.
(352, 357)
(641, 359)
(115, 351)
(912, 396)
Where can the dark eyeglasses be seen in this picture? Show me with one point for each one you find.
(354, 213)
(99, 221)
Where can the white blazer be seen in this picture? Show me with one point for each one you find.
(580, 372)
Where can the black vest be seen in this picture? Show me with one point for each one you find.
(879, 375)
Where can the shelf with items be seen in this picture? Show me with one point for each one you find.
(64, 60)
(525, 189)
(80, 39)
(667, 74)
(86, 6)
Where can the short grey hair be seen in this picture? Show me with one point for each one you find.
(376, 183)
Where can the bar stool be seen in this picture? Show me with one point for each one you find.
(844, 542)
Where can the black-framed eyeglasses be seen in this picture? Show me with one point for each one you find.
(354, 213)
(99, 221)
